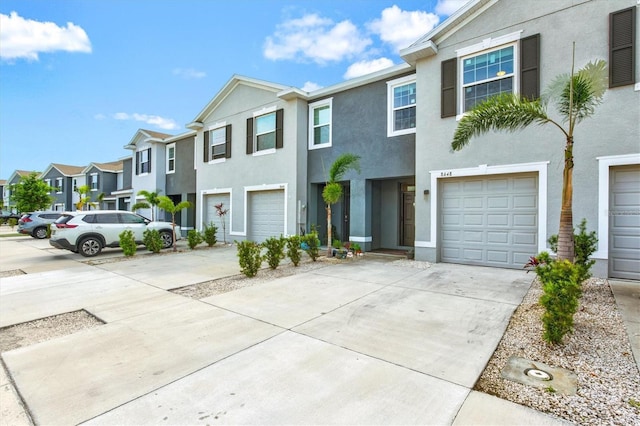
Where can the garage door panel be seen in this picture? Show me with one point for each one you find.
(624, 222)
(499, 220)
(266, 215)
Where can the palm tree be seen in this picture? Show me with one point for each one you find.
(167, 204)
(333, 189)
(151, 201)
(575, 97)
(85, 197)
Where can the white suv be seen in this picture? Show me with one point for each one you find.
(87, 232)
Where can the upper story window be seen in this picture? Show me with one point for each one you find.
(143, 161)
(171, 158)
(401, 99)
(48, 182)
(503, 64)
(59, 185)
(217, 143)
(265, 132)
(93, 181)
(320, 124)
(487, 74)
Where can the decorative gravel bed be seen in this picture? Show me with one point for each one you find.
(598, 351)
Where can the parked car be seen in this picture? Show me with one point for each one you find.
(35, 224)
(6, 215)
(88, 232)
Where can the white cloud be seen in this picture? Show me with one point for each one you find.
(189, 73)
(310, 86)
(315, 38)
(22, 38)
(160, 122)
(401, 28)
(447, 7)
(367, 67)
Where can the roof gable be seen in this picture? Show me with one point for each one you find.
(143, 135)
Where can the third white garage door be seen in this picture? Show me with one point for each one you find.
(266, 215)
(491, 221)
(624, 223)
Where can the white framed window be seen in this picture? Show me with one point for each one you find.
(320, 114)
(48, 182)
(488, 68)
(401, 106)
(171, 158)
(143, 161)
(93, 181)
(488, 74)
(265, 132)
(218, 143)
(59, 187)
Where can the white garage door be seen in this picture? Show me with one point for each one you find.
(266, 215)
(210, 215)
(624, 223)
(491, 221)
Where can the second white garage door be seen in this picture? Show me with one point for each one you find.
(266, 215)
(491, 221)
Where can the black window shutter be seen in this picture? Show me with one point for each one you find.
(448, 96)
(530, 67)
(149, 158)
(206, 146)
(622, 57)
(249, 135)
(279, 129)
(227, 148)
(137, 162)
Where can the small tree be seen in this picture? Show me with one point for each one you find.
(167, 204)
(209, 234)
(31, 194)
(84, 192)
(333, 190)
(152, 200)
(222, 212)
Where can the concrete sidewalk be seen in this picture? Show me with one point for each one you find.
(363, 342)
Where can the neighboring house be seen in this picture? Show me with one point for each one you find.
(120, 199)
(373, 117)
(102, 179)
(5, 197)
(251, 156)
(497, 201)
(180, 172)
(63, 180)
(148, 165)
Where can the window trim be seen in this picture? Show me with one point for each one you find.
(252, 139)
(168, 149)
(60, 188)
(91, 176)
(402, 81)
(213, 128)
(487, 45)
(139, 162)
(312, 107)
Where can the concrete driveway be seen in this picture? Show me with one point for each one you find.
(361, 342)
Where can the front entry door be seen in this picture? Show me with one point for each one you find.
(407, 226)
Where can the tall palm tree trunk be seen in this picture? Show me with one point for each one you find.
(329, 236)
(566, 248)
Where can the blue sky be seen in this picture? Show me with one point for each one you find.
(79, 78)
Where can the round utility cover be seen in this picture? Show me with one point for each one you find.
(538, 374)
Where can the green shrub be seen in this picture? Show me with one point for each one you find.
(209, 234)
(336, 244)
(275, 250)
(128, 243)
(249, 254)
(152, 240)
(194, 237)
(561, 295)
(311, 244)
(48, 230)
(13, 222)
(293, 249)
